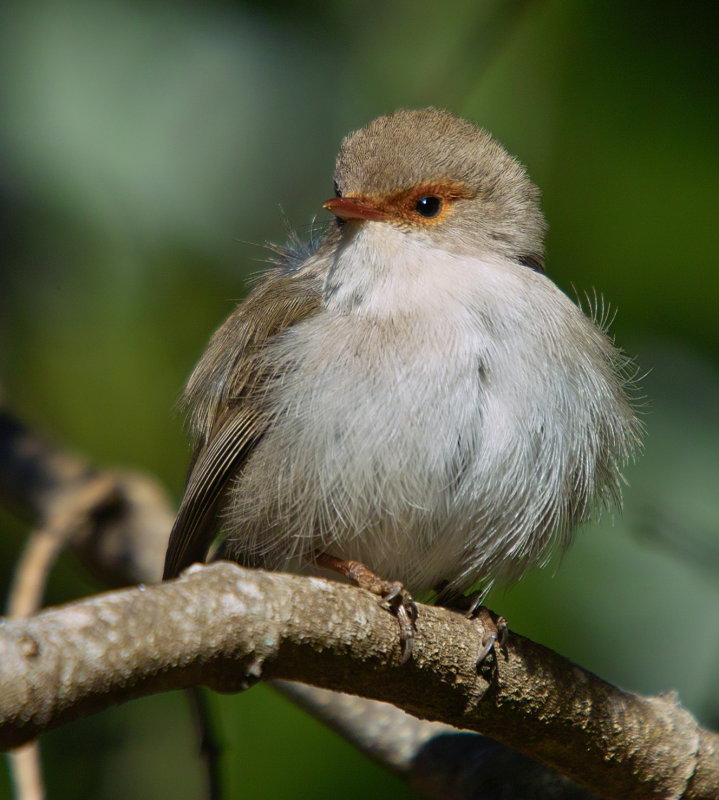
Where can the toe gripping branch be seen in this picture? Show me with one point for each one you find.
(497, 632)
(394, 597)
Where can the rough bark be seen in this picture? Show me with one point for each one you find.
(227, 628)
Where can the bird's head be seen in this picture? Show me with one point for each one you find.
(438, 177)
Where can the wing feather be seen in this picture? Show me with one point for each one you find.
(194, 526)
(222, 397)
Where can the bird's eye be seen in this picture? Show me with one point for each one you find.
(428, 206)
(338, 193)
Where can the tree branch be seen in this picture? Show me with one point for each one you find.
(227, 627)
(436, 759)
(123, 533)
(122, 542)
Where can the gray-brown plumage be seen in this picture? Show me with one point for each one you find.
(415, 394)
(224, 397)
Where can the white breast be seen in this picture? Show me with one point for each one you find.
(445, 418)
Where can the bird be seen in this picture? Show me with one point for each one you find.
(410, 402)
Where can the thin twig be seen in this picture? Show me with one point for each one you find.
(210, 749)
(26, 772)
(27, 588)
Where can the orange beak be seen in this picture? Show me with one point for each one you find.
(354, 208)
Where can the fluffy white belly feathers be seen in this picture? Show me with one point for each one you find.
(426, 425)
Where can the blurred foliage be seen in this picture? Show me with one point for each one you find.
(145, 146)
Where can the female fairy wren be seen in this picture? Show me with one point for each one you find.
(415, 398)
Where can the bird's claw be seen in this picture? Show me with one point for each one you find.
(399, 601)
(393, 596)
(498, 633)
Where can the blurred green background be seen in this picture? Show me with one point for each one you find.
(147, 149)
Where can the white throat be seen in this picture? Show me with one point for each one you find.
(381, 271)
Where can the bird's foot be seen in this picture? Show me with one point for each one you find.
(498, 636)
(394, 597)
(496, 632)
